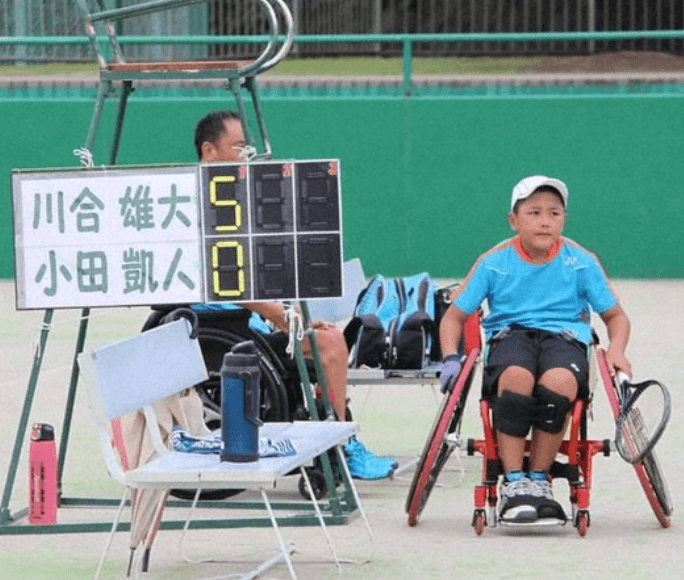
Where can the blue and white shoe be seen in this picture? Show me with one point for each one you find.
(518, 505)
(364, 464)
(548, 507)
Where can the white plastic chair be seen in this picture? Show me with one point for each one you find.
(137, 372)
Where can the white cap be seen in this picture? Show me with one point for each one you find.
(527, 186)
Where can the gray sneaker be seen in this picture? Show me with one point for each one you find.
(517, 505)
(547, 506)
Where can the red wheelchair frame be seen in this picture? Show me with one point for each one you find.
(579, 451)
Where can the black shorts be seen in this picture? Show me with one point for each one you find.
(278, 342)
(537, 351)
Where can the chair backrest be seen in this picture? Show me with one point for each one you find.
(339, 309)
(136, 372)
(98, 16)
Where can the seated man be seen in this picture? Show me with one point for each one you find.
(538, 286)
(219, 138)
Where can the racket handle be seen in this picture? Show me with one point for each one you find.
(622, 378)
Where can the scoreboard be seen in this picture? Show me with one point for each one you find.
(229, 232)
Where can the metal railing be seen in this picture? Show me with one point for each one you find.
(52, 18)
(406, 41)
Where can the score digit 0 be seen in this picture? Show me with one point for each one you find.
(215, 201)
(234, 269)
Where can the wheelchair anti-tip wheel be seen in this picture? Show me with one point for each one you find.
(317, 481)
(479, 521)
(582, 522)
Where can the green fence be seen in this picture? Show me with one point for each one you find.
(427, 171)
(426, 178)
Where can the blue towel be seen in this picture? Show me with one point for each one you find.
(276, 447)
(184, 442)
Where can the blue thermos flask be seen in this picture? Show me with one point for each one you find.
(240, 421)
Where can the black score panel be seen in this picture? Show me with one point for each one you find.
(272, 198)
(274, 260)
(225, 199)
(226, 227)
(271, 230)
(319, 265)
(318, 196)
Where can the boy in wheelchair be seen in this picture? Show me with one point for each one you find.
(539, 287)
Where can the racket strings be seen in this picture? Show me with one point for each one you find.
(633, 437)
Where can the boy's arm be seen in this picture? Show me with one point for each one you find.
(618, 326)
(450, 330)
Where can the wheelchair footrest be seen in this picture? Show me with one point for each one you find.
(543, 523)
(565, 471)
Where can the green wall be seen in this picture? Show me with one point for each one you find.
(426, 179)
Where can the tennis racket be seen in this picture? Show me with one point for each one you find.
(644, 412)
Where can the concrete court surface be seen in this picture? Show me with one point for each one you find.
(624, 541)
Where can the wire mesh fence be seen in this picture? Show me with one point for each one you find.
(20, 18)
(41, 18)
(535, 16)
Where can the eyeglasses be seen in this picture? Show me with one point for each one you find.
(245, 152)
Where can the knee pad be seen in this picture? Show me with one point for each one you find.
(513, 413)
(551, 410)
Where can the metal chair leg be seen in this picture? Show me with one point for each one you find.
(126, 90)
(103, 91)
(111, 535)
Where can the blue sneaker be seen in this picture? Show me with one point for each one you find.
(364, 450)
(364, 464)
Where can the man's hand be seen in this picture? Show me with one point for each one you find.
(451, 366)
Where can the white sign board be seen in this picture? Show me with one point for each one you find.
(125, 236)
(115, 237)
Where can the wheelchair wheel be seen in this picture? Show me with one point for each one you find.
(214, 344)
(443, 439)
(648, 469)
(317, 481)
(653, 483)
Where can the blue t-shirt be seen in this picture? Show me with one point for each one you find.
(554, 296)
